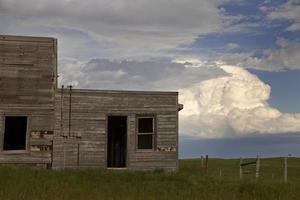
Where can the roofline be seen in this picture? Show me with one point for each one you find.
(122, 91)
(26, 38)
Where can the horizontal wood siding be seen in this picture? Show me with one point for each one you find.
(27, 88)
(27, 71)
(28, 80)
(166, 136)
(88, 127)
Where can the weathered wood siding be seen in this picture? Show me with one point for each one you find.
(89, 111)
(28, 79)
(27, 88)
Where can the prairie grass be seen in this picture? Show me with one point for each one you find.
(22, 183)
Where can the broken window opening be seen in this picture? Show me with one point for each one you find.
(15, 133)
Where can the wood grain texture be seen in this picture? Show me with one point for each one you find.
(28, 87)
(89, 124)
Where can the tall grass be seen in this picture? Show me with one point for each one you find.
(189, 183)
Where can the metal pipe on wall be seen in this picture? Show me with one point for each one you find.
(70, 109)
(61, 110)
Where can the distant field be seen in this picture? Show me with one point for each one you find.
(189, 183)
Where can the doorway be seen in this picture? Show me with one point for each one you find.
(15, 133)
(116, 141)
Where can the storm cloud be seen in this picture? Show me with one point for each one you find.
(234, 104)
(134, 75)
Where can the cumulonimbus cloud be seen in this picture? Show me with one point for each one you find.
(219, 100)
(234, 104)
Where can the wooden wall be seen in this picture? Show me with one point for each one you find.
(88, 128)
(27, 87)
(28, 80)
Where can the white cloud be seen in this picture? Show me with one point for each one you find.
(71, 73)
(294, 27)
(133, 75)
(285, 56)
(219, 100)
(231, 46)
(191, 62)
(290, 11)
(263, 8)
(234, 104)
(129, 28)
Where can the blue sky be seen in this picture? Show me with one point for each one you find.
(285, 82)
(285, 85)
(235, 63)
(249, 146)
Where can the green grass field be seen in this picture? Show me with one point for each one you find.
(189, 183)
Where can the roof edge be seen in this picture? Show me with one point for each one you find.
(26, 38)
(121, 91)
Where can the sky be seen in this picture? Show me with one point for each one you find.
(235, 63)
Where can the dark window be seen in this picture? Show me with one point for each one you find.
(145, 125)
(15, 133)
(145, 141)
(145, 133)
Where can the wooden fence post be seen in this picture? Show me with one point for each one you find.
(206, 164)
(241, 168)
(202, 164)
(257, 167)
(285, 170)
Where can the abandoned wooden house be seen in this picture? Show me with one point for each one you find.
(41, 124)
